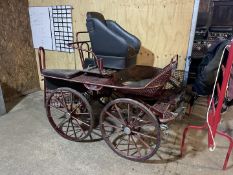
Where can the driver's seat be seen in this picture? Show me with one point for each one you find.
(111, 42)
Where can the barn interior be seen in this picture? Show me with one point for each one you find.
(44, 53)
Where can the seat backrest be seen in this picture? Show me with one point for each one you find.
(103, 40)
(132, 40)
(112, 43)
(97, 16)
(101, 30)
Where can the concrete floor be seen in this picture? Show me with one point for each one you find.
(29, 146)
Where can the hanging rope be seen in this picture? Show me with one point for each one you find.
(211, 101)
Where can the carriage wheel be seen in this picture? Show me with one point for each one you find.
(135, 130)
(70, 114)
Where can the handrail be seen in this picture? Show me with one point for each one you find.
(81, 32)
(75, 45)
(80, 45)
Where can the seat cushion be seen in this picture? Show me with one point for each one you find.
(60, 73)
(140, 83)
(113, 62)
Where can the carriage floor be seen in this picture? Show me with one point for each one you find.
(29, 145)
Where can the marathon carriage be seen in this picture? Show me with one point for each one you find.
(135, 99)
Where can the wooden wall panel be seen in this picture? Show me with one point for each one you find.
(163, 26)
(18, 73)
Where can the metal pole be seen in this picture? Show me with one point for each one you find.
(191, 39)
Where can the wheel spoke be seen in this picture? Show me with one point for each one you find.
(65, 105)
(128, 113)
(138, 116)
(58, 116)
(136, 146)
(57, 108)
(121, 139)
(62, 122)
(142, 141)
(144, 123)
(62, 117)
(115, 132)
(76, 126)
(72, 134)
(79, 127)
(75, 108)
(71, 102)
(73, 128)
(109, 125)
(141, 114)
(119, 113)
(128, 145)
(127, 150)
(110, 115)
(96, 133)
(82, 122)
(91, 138)
(145, 135)
(68, 126)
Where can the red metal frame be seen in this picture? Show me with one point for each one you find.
(80, 45)
(42, 65)
(214, 115)
(41, 56)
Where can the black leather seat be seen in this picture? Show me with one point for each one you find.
(111, 42)
(60, 73)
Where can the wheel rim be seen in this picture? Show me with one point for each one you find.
(135, 132)
(70, 114)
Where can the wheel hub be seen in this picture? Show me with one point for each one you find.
(127, 130)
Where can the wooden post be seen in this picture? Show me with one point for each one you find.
(2, 104)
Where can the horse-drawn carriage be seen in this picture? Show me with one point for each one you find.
(136, 99)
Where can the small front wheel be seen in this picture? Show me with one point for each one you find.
(130, 129)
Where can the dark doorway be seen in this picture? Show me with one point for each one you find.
(214, 21)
